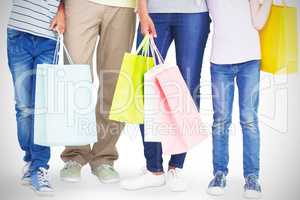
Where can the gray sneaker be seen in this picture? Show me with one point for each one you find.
(217, 185)
(71, 172)
(106, 174)
(252, 188)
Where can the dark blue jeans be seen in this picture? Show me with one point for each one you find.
(247, 76)
(190, 33)
(25, 52)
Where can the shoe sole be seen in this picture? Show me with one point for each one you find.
(111, 181)
(252, 195)
(42, 194)
(25, 183)
(178, 190)
(70, 180)
(142, 188)
(215, 191)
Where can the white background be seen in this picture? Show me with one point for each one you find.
(279, 112)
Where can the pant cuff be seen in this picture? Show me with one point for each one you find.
(155, 170)
(220, 170)
(176, 165)
(96, 164)
(78, 159)
(248, 174)
(35, 167)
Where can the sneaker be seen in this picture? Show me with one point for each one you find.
(26, 177)
(252, 188)
(40, 182)
(217, 185)
(175, 180)
(71, 172)
(106, 174)
(147, 180)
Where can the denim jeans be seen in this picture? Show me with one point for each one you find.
(190, 33)
(247, 77)
(25, 51)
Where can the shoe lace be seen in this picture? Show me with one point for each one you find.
(176, 173)
(71, 164)
(108, 167)
(43, 177)
(252, 182)
(219, 179)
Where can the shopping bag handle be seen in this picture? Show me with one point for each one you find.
(144, 46)
(144, 49)
(59, 52)
(284, 3)
(155, 52)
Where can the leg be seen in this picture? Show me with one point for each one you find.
(21, 64)
(80, 39)
(248, 80)
(222, 78)
(44, 54)
(153, 150)
(191, 33)
(116, 38)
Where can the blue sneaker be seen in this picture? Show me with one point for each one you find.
(252, 188)
(26, 177)
(217, 185)
(40, 182)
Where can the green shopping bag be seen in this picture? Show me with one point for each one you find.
(128, 101)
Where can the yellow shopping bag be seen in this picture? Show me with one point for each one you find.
(128, 100)
(279, 41)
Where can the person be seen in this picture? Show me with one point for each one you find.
(114, 22)
(236, 57)
(188, 24)
(31, 40)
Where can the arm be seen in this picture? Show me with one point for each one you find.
(147, 25)
(260, 10)
(58, 22)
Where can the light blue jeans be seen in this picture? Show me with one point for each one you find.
(247, 76)
(25, 52)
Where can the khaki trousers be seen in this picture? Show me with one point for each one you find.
(85, 21)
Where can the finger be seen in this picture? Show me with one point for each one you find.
(62, 29)
(153, 31)
(145, 31)
(53, 24)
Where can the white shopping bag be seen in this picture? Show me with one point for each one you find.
(64, 104)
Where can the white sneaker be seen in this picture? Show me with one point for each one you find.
(147, 180)
(176, 181)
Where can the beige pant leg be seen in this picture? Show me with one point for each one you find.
(116, 38)
(82, 29)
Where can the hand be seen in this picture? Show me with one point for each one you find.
(147, 26)
(58, 22)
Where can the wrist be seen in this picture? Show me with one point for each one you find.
(143, 15)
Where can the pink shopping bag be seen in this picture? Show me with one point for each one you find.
(174, 115)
